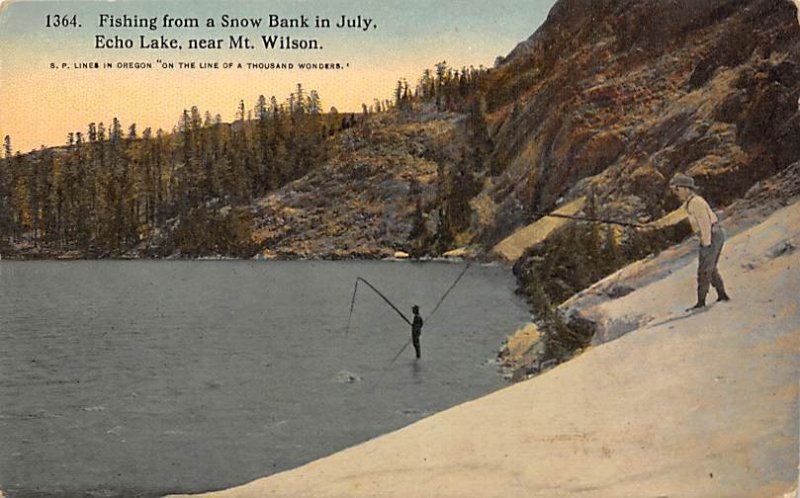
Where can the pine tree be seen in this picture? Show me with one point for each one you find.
(82, 199)
(300, 101)
(398, 94)
(440, 82)
(418, 236)
(19, 190)
(444, 232)
(477, 130)
(241, 113)
(48, 223)
(611, 253)
(314, 103)
(264, 155)
(426, 85)
(5, 203)
(592, 242)
(5, 192)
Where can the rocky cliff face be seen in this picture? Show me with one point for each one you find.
(361, 203)
(609, 97)
(616, 96)
(612, 98)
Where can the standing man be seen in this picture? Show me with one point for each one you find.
(712, 238)
(416, 329)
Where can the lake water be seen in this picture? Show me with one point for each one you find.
(142, 378)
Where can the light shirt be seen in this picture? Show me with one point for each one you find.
(701, 216)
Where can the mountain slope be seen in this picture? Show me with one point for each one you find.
(608, 98)
(361, 202)
(615, 96)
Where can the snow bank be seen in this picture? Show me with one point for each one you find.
(703, 405)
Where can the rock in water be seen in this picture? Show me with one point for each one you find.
(345, 377)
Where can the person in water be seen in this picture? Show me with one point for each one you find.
(416, 330)
(706, 225)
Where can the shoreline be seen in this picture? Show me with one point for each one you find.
(379, 255)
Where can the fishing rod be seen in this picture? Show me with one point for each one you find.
(353, 302)
(596, 220)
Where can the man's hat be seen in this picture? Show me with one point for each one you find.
(681, 180)
(415, 308)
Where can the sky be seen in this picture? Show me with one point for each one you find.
(45, 96)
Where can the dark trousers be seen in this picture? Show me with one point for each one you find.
(707, 271)
(415, 341)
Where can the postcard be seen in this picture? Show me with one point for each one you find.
(295, 248)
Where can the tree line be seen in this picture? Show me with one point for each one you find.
(189, 191)
(108, 188)
(445, 87)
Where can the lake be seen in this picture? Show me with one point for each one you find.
(141, 378)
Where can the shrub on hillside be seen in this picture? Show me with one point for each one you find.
(572, 260)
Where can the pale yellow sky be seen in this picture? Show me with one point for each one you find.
(46, 105)
(40, 105)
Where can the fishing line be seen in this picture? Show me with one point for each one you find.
(448, 290)
(596, 220)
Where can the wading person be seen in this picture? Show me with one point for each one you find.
(416, 330)
(704, 223)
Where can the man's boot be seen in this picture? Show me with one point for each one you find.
(698, 305)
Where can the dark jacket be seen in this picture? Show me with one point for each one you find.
(416, 327)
